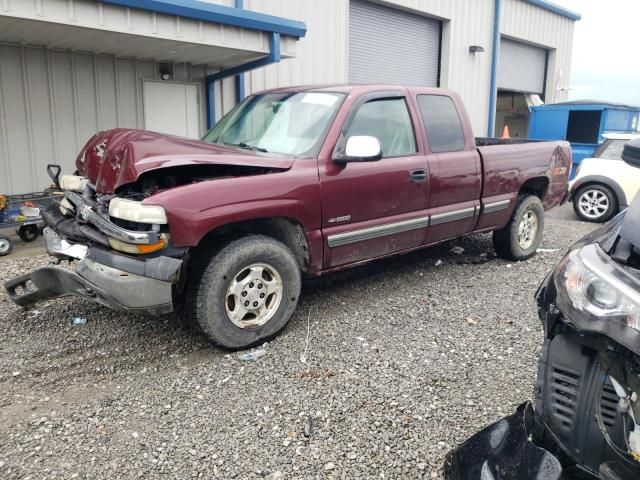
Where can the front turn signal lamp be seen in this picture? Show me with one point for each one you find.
(138, 249)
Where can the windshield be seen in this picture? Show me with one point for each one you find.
(290, 123)
(610, 149)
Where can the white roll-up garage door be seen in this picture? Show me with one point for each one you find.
(392, 46)
(521, 67)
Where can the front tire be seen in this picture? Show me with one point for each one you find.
(519, 240)
(595, 203)
(246, 293)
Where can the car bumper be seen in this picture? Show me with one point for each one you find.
(571, 190)
(503, 450)
(117, 281)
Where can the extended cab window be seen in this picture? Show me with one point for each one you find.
(388, 120)
(444, 130)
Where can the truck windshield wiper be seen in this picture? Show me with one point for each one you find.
(247, 146)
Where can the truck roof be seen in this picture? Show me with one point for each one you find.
(357, 88)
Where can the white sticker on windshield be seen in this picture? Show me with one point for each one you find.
(319, 99)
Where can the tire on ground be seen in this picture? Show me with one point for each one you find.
(28, 233)
(598, 187)
(6, 246)
(206, 296)
(506, 241)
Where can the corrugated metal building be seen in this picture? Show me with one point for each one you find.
(71, 67)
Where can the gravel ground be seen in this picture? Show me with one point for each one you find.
(404, 360)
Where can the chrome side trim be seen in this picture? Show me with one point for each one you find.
(88, 214)
(453, 216)
(361, 235)
(496, 206)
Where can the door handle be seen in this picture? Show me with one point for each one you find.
(418, 176)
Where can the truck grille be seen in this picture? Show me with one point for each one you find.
(564, 393)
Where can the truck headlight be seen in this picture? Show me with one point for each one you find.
(592, 288)
(133, 211)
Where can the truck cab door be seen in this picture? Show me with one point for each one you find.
(375, 208)
(455, 174)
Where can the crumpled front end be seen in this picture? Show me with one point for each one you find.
(109, 286)
(121, 248)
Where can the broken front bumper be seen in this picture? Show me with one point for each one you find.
(117, 281)
(503, 451)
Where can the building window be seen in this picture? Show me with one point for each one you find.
(388, 120)
(441, 120)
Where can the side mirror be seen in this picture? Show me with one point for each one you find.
(360, 148)
(631, 153)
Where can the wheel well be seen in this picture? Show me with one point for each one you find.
(535, 186)
(618, 193)
(592, 183)
(286, 230)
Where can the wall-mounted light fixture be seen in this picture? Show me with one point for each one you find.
(475, 49)
(166, 71)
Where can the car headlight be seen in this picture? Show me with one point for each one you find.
(591, 288)
(133, 211)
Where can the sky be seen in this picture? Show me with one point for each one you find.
(606, 50)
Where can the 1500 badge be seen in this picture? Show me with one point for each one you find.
(344, 218)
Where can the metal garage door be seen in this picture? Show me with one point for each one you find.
(521, 67)
(392, 46)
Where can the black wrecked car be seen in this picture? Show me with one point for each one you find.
(586, 419)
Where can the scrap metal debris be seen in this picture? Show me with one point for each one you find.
(308, 427)
(252, 356)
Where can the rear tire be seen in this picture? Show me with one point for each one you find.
(520, 238)
(595, 203)
(257, 271)
(6, 246)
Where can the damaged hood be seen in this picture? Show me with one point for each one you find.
(118, 157)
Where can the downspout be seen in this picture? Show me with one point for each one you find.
(272, 57)
(210, 94)
(493, 89)
(239, 80)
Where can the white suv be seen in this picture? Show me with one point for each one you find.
(605, 184)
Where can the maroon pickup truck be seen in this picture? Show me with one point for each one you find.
(292, 182)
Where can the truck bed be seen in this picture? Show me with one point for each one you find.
(486, 141)
(508, 162)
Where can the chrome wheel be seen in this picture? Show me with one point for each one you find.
(527, 229)
(254, 295)
(593, 204)
(5, 246)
